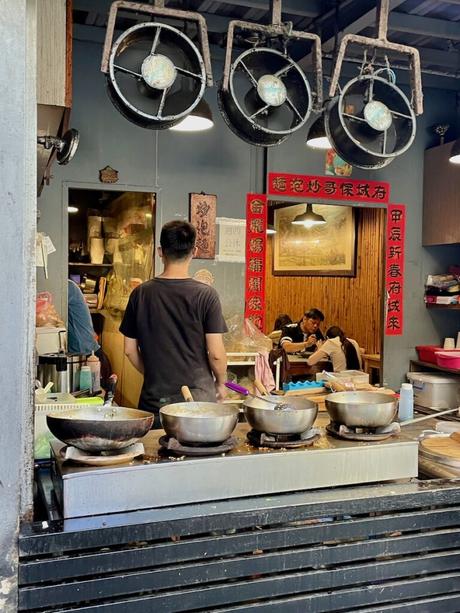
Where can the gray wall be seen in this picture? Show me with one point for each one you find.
(174, 164)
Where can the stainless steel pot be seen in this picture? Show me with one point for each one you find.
(298, 415)
(62, 369)
(199, 422)
(100, 428)
(361, 409)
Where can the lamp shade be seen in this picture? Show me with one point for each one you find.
(198, 120)
(454, 157)
(271, 229)
(317, 137)
(309, 218)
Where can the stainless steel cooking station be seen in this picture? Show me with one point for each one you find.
(158, 481)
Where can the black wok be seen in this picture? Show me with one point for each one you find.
(100, 428)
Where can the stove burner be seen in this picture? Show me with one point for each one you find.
(283, 441)
(172, 445)
(362, 434)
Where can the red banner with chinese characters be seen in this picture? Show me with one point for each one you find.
(256, 243)
(327, 188)
(394, 269)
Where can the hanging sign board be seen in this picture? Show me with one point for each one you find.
(328, 188)
(256, 243)
(394, 269)
(203, 217)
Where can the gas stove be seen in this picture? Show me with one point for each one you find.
(363, 434)
(283, 441)
(159, 479)
(171, 445)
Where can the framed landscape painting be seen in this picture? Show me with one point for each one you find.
(326, 249)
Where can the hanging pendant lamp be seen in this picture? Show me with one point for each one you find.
(454, 157)
(309, 218)
(317, 137)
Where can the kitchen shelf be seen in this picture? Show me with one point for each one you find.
(89, 265)
(454, 371)
(430, 305)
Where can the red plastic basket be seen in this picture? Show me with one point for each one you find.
(448, 359)
(426, 353)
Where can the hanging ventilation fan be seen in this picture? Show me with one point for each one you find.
(155, 74)
(371, 121)
(265, 95)
(65, 147)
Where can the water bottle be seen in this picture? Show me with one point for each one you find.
(406, 402)
(85, 378)
(95, 366)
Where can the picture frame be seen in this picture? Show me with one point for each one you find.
(327, 250)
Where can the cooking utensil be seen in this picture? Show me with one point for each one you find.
(260, 387)
(245, 392)
(361, 409)
(409, 422)
(198, 423)
(295, 416)
(100, 428)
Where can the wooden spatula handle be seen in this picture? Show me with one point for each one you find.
(455, 436)
(260, 387)
(186, 393)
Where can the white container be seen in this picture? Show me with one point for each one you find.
(449, 343)
(435, 391)
(406, 402)
(354, 376)
(50, 340)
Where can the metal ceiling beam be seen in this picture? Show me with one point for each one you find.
(301, 8)
(425, 26)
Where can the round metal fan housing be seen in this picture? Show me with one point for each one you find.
(370, 123)
(156, 75)
(268, 97)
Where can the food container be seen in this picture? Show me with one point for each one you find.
(426, 353)
(298, 416)
(357, 377)
(435, 391)
(199, 423)
(361, 409)
(448, 359)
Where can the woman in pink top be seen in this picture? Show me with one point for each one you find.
(343, 352)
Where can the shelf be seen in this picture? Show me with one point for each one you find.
(430, 305)
(89, 265)
(454, 371)
(242, 363)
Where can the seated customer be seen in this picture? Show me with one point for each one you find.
(343, 352)
(304, 334)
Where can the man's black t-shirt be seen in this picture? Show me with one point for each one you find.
(294, 334)
(170, 318)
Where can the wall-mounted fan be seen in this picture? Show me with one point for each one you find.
(371, 121)
(265, 95)
(156, 75)
(65, 146)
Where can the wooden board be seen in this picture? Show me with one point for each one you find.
(312, 391)
(442, 446)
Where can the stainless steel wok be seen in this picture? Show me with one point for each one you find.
(199, 422)
(296, 415)
(362, 409)
(100, 428)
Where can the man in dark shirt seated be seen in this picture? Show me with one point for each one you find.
(305, 334)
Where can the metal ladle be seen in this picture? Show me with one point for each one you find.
(278, 406)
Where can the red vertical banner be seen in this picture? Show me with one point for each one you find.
(256, 245)
(394, 269)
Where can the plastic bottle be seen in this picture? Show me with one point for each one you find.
(95, 366)
(85, 378)
(406, 402)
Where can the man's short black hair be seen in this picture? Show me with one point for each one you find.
(177, 239)
(314, 314)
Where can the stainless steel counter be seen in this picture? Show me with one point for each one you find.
(156, 481)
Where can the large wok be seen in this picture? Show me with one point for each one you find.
(294, 417)
(361, 409)
(100, 428)
(199, 423)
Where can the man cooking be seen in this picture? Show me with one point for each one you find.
(173, 328)
(305, 334)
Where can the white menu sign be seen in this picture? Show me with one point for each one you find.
(232, 239)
